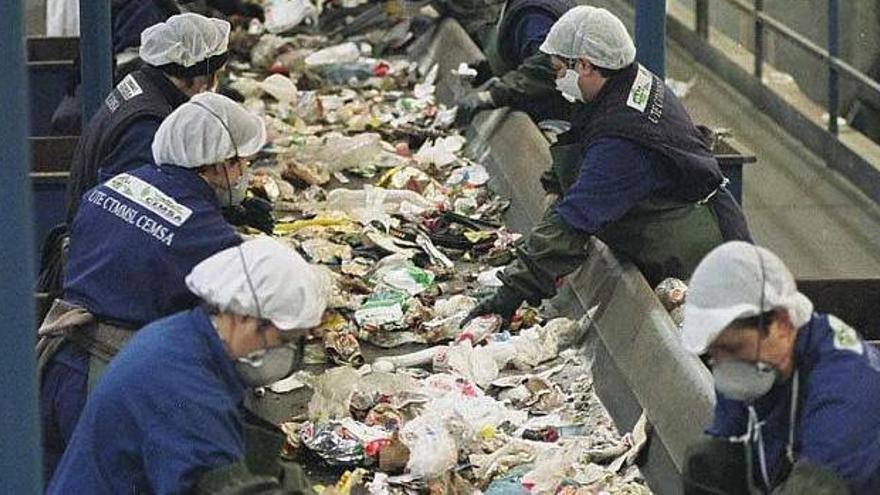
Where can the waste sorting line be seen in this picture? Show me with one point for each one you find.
(370, 180)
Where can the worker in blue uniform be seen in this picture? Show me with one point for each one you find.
(132, 243)
(183, 56)
(521, 76)
(797, 391)
(634, 171)
(166, 417)
(128, 18)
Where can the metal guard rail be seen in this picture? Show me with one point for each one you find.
(836, 66)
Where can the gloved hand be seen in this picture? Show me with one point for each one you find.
(470, 104)
(813, 479)
(253, 212)
(503, 302)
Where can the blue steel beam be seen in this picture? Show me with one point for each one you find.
(651, 35)
(20, 470)
(96, 55)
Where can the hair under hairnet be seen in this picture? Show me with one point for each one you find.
(591, 33)
(207, 129)
(264, 279)
(738, 280)
(184, 40)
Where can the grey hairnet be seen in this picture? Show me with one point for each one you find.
(738, 280)
(208, 129)
(591, 33)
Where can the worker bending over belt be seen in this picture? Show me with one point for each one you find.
(166, 417)
(797, 391)
(132, 243)
(634, 172)
(523, 75)
(183, 56)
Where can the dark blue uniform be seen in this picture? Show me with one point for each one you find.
(166, 411)
(529, 31)
(838, 424)
(134, 149)
(615, 175)
(131, 248)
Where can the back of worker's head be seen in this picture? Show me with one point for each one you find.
(265, 298)
(591, 33)
(214, 135)
(189, 48)
(263, 279)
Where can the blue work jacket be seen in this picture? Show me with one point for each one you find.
(167, 410)
(838, 424)
(136, 237)
(615, 175)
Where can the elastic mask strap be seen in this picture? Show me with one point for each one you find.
(792, 417)
(222, 122)
(250, 283)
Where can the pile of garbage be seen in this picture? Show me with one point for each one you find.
(368, 179)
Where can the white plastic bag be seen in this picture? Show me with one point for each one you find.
(283, 15)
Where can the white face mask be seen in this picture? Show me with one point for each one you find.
(234, 194)
(568, 86)
(267, 366)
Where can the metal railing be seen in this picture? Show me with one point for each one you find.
(836, 66)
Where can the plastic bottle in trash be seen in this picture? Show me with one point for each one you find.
(345, 53)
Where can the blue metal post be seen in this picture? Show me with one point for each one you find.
(651, 35)
(20, 470)
(833, 76)
(96, 55)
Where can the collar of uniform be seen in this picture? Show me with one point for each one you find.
(807, 343)
(582, 115)
(220, 363)
(191, 178)
(173, 96)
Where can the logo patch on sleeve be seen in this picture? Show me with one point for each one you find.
(151, 198)
(640, 91)
(129, 88)
(845, 337)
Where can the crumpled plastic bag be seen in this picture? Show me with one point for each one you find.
(440, 152)
(433, 450)
(283, 15)
(280, 87)
(476, 364)
(344, 53)
(332, 394)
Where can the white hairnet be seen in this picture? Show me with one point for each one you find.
(207, 129)
(738, 280)
(264, 279)
(591, 33)
(185, 40)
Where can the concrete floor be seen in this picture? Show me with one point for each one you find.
(820, 224)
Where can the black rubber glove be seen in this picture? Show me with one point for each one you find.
(470, 104)
(503, 302)
(253, 212)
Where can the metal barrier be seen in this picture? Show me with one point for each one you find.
(20, 456)
(836, 66)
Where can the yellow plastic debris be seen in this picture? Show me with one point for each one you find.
(319, 221)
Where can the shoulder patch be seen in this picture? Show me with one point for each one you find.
(112, 102)
(150, 197)
(129, 88)
(845, 337)
(640, 91)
